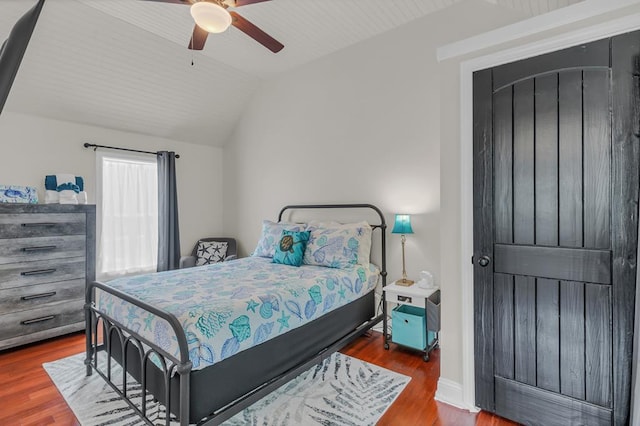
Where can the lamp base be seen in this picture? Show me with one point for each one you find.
(404, 282)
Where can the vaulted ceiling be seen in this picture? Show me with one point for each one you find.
(124, 64)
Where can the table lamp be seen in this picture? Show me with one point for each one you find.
(402, 226)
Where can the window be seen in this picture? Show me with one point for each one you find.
(127, 194)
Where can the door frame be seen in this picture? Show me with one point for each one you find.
(584, 35)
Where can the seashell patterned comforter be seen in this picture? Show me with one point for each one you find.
(228, 307)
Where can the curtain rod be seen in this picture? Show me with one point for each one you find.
(94, 146)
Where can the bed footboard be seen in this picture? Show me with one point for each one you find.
(128, 342)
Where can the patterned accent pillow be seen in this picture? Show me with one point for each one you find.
(290, 248)
(271, 233)
(339, 245)
(209, 252)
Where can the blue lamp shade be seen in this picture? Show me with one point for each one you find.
(402, 224)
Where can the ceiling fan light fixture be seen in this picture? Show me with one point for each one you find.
(210, 17)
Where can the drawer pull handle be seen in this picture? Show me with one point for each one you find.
(40, 272)
(31, 225)
(40, 248)
(38, 296)
(36, 320)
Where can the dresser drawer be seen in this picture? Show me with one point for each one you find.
(41, 248)
(29, 297)
(41, 271)
(47, 253)
(41, 225)
(44, 318)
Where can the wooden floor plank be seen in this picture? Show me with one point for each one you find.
(415, 405)
(30, 398)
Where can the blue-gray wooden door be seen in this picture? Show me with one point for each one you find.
(555, 234)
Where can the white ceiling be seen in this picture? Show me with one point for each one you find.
(123, 64)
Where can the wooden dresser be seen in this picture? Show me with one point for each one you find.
(47, 255)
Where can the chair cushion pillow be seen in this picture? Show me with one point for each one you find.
(209, 252)
(290, 248)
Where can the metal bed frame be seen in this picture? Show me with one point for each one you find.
(181, 365)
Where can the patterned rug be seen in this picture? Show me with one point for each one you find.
(340, 391)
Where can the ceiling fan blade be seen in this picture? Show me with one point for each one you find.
(256, 33)
(198, 38)
(246, 2)
(172, 1)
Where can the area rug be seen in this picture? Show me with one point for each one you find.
(340, 391)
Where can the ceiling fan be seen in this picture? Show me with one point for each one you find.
(212, 16)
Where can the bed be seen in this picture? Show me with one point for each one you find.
(210, 341)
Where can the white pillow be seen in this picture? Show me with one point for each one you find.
(338, 245)
(271, 234)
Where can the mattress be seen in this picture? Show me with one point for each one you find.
(229, 307)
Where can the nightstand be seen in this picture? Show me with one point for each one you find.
(415, 319)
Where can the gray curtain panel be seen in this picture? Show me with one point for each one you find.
(168, 229)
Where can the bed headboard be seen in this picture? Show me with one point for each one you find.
(346, 213)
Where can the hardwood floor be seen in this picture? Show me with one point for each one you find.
(415, 405)
(28, 397)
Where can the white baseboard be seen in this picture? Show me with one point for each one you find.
(450, 392)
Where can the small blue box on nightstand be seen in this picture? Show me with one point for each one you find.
(409, 324)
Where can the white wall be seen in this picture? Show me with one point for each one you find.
(352, 127)
(364, 125)
(32, 147)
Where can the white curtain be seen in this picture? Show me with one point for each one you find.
(128, 219)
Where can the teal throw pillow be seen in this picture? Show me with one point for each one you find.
(290, 248)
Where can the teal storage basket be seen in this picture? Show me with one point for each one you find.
(409, 324)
